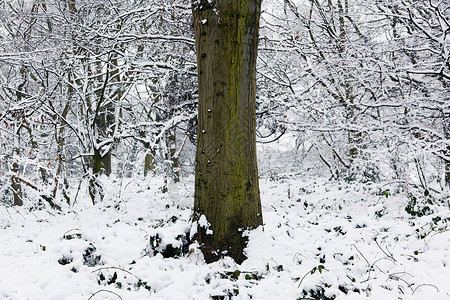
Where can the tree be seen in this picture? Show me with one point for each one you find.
(226, 175)
(319, 56)
(365, 98)
(84, 82)
(419, 72)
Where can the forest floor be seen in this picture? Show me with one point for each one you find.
(321, 240)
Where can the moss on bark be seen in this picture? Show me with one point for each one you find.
(227, 189)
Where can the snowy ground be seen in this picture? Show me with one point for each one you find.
(320, 240)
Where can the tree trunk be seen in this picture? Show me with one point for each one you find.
(226, 175)
(16, 187)
(446, 122)
(171, 150)
(150, 162)
(104, 119)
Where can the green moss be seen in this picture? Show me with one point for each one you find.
(226, 191)
(234, 134)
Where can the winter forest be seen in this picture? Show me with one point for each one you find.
(224, 149)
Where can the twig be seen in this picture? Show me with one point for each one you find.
(17, 211)
(397, 278)
(390, 255)
(382, 258)
(78, 190)
(298, 254)
(73, 229)
(6, 208)
(301, 280)
(99, 291)
(425, 284)
(368, 264)
(116, 268)
(312, 271)
(181, 148)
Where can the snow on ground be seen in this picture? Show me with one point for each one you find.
(321, 240)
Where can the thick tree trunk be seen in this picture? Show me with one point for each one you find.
(226, 176)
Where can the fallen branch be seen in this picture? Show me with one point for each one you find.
(47, 198)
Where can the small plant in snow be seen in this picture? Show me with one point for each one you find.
(319, 268)
(90, 259)
(120, 278)
(417, 208)
(70, 236)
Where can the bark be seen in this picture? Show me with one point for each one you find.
(104, 119)
(226, 176)
(61, 141)
(447, 171)
(171, 146)
(446, 121)
(16, 187)
(150, 162)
